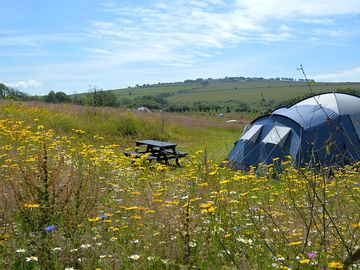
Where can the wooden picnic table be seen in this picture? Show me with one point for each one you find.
(158, 150)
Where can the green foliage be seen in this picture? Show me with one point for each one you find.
(151, 102)
(58, 97)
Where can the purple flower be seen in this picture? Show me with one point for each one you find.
(104, 217)
(237, 229)
(255, 208)
(311, 255)
(50, 228)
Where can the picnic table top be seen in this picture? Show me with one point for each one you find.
(156, 143)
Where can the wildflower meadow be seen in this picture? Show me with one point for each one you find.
(70, 199)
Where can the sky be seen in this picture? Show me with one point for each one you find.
(75, 45)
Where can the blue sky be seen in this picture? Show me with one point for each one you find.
(73, 45)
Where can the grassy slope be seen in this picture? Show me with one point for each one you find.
(242, 91)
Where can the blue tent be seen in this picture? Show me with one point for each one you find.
(323, 129)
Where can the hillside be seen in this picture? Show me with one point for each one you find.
(225, 91)
(222, 95)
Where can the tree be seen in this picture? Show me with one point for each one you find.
(101, 98)
(57, 97)
(51, 97)
(3, 90)
(61, 97)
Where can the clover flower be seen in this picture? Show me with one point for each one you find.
(134, 257)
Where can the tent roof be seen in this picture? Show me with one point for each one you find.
(317, 109)
(337, 102)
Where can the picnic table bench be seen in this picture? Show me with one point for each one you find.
(158, 151)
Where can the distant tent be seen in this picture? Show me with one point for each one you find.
(323, 129)
(232, 121)
(143, 109)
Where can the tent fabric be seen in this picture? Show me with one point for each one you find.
(143, 109)
(277, 135)
(323, 129)
(355, 120)
(253, 133)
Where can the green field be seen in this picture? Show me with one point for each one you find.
(70, 199)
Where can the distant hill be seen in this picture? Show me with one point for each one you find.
(229, 94)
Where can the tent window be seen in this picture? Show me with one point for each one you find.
(355, 119)
(277, 135)
(252, 134)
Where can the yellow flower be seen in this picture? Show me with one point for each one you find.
(304, 261)
(93, 219)
(206, 205)
(209, 210)
(295, 243)
(213, 172)
(336, 265)
(30, 159)
(31, 205)
(224, 182)
(131, 208)
(205, 184)
(6, 147)
(113, 229)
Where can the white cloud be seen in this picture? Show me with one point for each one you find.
(34, 40)
(352, 75)
(285, 28)
(26, 84)
(288, 9)
(327, 32)
(168, 31)
(319, 21)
